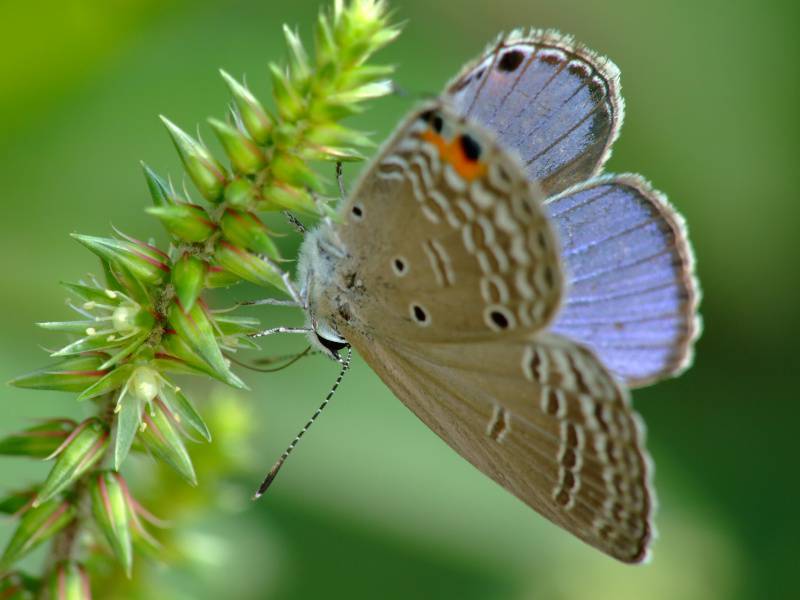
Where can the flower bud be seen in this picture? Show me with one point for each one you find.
(37, 525)
(289, 168)
(38, 441)
(289, 103)
(161, 433)
(217, 277)
(71, 374)
(287, 197)
(188, 277)
(76, 455)
(195, 328)
(142, 260)
(243, 153)
(159, 189)
(241, 192)
(256, 120)
(248, 266)
(205, 171)
(187, 222)
(184, 410)
(298, 54)
(69, 581)
(244, 229)
(111, 512)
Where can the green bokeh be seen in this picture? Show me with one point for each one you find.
(374, 504)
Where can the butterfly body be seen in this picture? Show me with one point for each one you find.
(489, 317)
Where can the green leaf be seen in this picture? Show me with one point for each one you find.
(127, 424)
(162, 435)
(38, 441)
(73, 374)
(184, 411)
(115, 379)
(84, 447)
(37, 525)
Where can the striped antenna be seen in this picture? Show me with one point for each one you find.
(273, 472)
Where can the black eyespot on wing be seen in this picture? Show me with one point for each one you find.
(499, 319)
(358, 212)
(471, 148)
(438, 123)
(399, 265)
(419, 313)
(510, 61)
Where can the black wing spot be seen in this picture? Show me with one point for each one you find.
(499, 319)
(510, 61)
(471, 148)
(419, 314)
(358, 212)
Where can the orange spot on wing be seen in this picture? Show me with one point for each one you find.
(453, 153)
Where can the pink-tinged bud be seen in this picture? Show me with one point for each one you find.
(37, 525)
(162, 434)
(245, 156)
(141, 260)
(69, 581)
(71, 374)
(111, 512)
(217, 277)
(195, 328)
(82, 448)
(39, 441)
(188, 277)
(206, 172)
(287, 197)
(256, 120)
(187, 222)
(248, 266)
(245, 229)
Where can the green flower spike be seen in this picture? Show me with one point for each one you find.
(245, 229)
(250, 267)
(161, 433)
(189, 277)
(144, 262)
(244, 154)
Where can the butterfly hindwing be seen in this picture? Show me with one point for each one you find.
(554, 103)
(448, 238)
(632, 295)
(544, 419)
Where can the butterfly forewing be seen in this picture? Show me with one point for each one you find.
(448, 239)
(542, 418)
(556, 104)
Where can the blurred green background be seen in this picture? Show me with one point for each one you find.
(373, 504)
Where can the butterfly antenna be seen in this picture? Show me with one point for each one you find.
(290, 358)
(273, 472)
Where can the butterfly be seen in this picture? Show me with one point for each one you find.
(508, 293)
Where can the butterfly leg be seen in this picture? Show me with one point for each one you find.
(340, 180)
(275, 330)
(294, 222)
(268, 302)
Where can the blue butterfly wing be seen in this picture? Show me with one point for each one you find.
(631, 294)
(555, 104)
